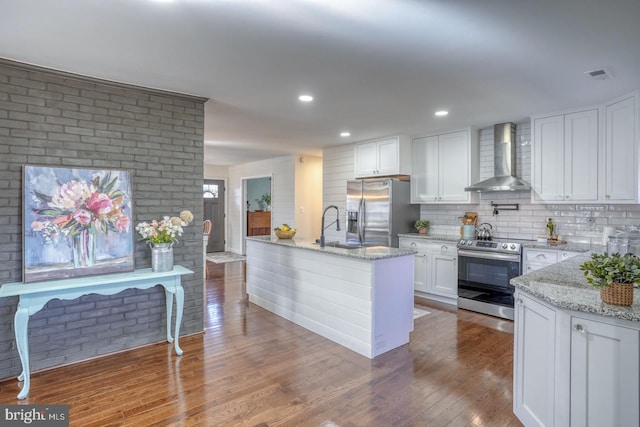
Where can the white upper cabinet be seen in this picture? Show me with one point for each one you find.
(566, 157)
(383, 157)
(621, 151)
(587, 156)
(442, 168)
(425, 181)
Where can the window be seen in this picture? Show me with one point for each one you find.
(210, 191)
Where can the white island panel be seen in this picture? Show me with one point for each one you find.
(364, 305)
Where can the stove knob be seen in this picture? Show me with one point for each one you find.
(470, 242)
(513, 246)
(504, 246)
(462, 242)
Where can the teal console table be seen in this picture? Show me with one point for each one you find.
(34, 296)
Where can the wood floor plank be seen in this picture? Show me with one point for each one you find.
(252, 368)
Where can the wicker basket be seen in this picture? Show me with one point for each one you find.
(618, 294)
(285, 234)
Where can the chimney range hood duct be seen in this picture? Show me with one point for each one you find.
(504, 179)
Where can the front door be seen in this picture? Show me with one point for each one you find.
(213, 195)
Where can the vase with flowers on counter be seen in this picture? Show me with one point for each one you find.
(615, 275)
(162, 235)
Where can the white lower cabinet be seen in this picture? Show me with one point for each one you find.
(533, 355)
(534, 259)
(605, 376)
(436, 269)
(574, 369)
(421, 272)
(444, 270)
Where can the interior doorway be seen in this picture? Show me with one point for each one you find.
(213, 197)
(257, 212)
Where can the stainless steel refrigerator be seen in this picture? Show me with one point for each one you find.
(377, 210)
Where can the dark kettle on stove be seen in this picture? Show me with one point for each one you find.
(484, 232)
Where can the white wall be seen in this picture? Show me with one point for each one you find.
(308, 197)
(282, 172)
(216, 172)
(338, 168)
(572, 221)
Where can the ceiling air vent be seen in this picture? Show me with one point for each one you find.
(599, 74)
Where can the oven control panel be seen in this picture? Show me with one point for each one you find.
(489, 245)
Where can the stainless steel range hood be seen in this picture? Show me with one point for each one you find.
(504, 179)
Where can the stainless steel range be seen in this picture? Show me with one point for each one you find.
(485, 268)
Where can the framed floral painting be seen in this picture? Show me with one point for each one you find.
(76, 222)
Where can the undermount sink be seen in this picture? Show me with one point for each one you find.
(343, 246)
(340, 245)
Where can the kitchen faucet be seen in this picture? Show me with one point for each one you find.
(337, 222)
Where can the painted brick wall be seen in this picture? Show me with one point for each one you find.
(64, 120)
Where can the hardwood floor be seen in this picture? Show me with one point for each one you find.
(252, 368)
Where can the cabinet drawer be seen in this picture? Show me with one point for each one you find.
(414, 244)
(566, 255)
(443, 248)
(540, 256)
(532, 266)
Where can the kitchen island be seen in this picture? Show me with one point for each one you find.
(359, 298)
(576, 359)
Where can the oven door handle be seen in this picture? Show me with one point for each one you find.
(486, 255)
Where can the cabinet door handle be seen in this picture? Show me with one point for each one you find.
(541, 256)
(413, 244)
(607, 196)
(520, 302)
(578, 327)
(444, 248)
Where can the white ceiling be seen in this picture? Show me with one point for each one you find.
(375, 67)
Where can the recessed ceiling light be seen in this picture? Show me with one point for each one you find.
(441, 113)
(305, 98)
(345, 134)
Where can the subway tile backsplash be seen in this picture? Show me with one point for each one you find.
(574, 223)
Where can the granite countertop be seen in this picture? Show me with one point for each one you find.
(370, 253)
(436, 237)
(564, 285)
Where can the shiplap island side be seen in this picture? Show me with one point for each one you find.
(360, 298)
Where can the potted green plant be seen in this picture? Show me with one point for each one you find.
(266, 200)
(614, 275)
(423, 225)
